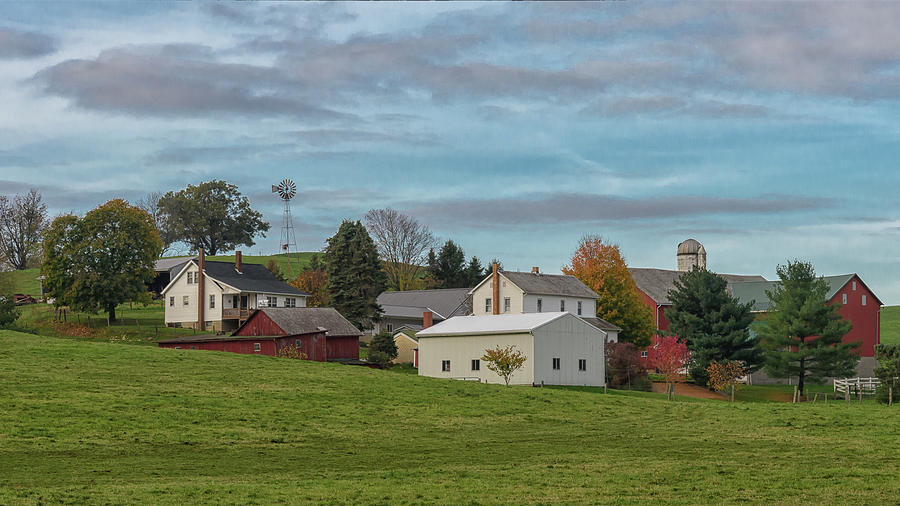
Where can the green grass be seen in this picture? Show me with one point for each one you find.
(890, 325)
(22, 281)
(290, 264)
(98, 423)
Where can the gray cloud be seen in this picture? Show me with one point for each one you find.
(557, 208)
(678, 106)
(329, 137)
(20, 44)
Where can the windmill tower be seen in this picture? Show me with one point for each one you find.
(286, 190)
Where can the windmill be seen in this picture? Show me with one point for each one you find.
(286, 189)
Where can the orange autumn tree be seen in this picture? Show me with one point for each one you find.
(600, 266)
(315, 283)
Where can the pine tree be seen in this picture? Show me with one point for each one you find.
(474, 272)
(430, 279)
(355, 275)
(450, 271)
(802, 333)
(714, 325)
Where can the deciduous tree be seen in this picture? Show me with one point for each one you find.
(600, 266)
(355, 275)
(623, 364)
(315, 283)
(888, 371)
(23, 221)
(801, 334)
(669, 356)
(272, 267)
(101, 260)
(714, 325)
(504, 361)
(213, 216)
(724, 375)
(150, 204)
(402, 243)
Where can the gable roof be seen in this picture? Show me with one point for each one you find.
(167, 264)
(656, 283)
(601, 324)
(253, 278)
(756, 291)
(494, 324)
(445, 302)
(545, 284)
(408, 312)
(306, 320)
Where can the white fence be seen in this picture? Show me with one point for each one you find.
(856, 386)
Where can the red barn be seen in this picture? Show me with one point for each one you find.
(321, 333)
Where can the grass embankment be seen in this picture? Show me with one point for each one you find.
(136, 324)
(25, 281)
(890, 325)
(91, 422)
(291, 265)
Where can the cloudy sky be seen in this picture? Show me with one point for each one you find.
(767, 132)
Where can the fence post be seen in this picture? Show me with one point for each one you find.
(890, 396)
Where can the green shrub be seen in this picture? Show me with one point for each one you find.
(382, 350)
(8, 312)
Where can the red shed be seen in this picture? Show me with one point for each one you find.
(312, 344)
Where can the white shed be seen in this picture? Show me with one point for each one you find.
(560, 348)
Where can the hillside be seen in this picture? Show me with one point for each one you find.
(97, 422)
(890, 324)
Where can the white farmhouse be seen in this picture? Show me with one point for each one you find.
(560, 348)
(220, 296)
(512, 292)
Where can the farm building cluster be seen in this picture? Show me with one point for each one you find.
(550, 318)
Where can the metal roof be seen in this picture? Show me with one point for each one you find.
(494, 324)
(601, 324)
(166, 264)
(446, 302)
(252, 278)
(756, 292)
(306, 320)
(656, 283)
(407, 312)
(548, 284)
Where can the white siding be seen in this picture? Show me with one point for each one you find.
(460, 350)
(179, 313)
(507, 289)
(550, 304)
(569, 339)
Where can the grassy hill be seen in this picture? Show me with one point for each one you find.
(95, 422)
(890, 324)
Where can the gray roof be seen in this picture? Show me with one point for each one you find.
(254, 278)
(756, 292)
(405, 312)
(656, 283)
(549, 284)
(447, 302)
(306, 320)
(167, 264)
(601, 324)
(213, 337)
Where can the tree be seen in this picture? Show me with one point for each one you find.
(888, 371)
(355, 276)
(101, 260)
(450, 269)
(291, 351)
(8, 311)
(272, 267)
(504, 361)
(382, 350)
(150, 204)
(315, 283)
(669, 356)
(22, 224)
(474, 272)
(213, 216)
(724, 375)
(402, 243)
(623, 364)
(802, 333)
(600, 266)
(714, 325)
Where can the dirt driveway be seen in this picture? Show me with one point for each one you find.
(689, 390)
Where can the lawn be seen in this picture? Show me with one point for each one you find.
(22, 281)
(93, 422)
(890, 325)
(290, 264)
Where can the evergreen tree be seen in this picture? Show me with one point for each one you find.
(355, 275)
(450, 271)
(474, 272)
(714, 325)
(382, 349)
(802, 334)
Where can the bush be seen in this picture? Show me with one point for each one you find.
(8, 312)
(382, 350)
(623, 365)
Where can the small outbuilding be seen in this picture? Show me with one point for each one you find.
(560, 348)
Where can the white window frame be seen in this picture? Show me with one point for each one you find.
(185, 300)
(172, 301)
(579, 308)
(582, 365)
(269, 301)
(562, 305)
(506, 304)
(556, 363)
(257, 347)
(540, 305)
(190, 278)
(854, 285)
(488, 307)
(843, 298)
(445, 366)
(390, 327)
(212, 301)
(290, 302)
(476, 364)
(643, 353)
(864, 299)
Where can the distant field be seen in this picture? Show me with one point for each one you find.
(23, 281)
(890, 324)
(100, 423)
(292, 265)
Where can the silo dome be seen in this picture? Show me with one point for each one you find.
(691, 253)
(690, 246)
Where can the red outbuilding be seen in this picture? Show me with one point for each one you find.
(321, 333)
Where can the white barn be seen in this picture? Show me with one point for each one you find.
(560, 348)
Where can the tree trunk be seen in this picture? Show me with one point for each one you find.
(111, 309)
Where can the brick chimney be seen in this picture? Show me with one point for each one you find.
(427, 319)
(238, 264)
(535, 270)
(201, 292)
(495, 279)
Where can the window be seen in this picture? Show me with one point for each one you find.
(256, 347)
(390, 327)
(476, 364)
(582, 364)
(193, 347)
(562, 305)
(297, 344)
(487, 306)
(185, 300)
(579, 308)
(271, 301)
(555, 364)
(863, 300)
(212, 301)
(445, 365)
(843, 298)
(190, 277)
(540, 305)
(505, 304)
(290, 302)
(171, 301)
(854, 286)
(644, 354)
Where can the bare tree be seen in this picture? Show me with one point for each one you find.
(402, 244)
(22, 223)
(150, 204)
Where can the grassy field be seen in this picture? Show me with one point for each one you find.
(890, 325)
(291, 265)
(93, 422)
(22, 281)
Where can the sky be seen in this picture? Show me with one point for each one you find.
(767, 131)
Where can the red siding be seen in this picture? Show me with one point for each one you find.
(343, 347)
(259, 324)
(865, 319)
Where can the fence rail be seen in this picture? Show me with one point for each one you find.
(467, 378)
(864, 386)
